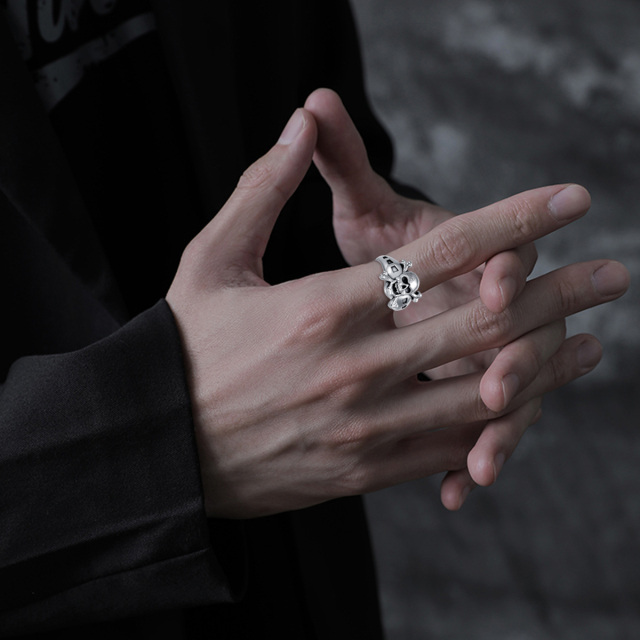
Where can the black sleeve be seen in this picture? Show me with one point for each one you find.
(101, 499)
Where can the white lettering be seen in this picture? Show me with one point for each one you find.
(52, 27)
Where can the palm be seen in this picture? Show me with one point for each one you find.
(391, 222)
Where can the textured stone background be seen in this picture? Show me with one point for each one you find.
(485, 98)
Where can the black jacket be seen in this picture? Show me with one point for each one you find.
(101, 521)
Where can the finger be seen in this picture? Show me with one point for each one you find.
(455, 488)
(505, 276)
(464, 242)
(418, 456)
(497, 442)
(341, 157)
(517, 364)
(438, 424)
(472, 328)
(417, 407)
(241, 230)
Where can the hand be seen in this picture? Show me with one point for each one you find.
(306, 391)
(371, 219)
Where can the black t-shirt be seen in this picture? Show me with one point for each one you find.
(99, 70)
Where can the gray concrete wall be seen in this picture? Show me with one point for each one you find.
(486, 98)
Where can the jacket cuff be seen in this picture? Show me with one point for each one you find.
(104, 517)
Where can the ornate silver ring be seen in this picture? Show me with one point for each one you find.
(400, 284)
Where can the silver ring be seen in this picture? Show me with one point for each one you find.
(400, 284)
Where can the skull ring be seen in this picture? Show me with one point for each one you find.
(400, 284)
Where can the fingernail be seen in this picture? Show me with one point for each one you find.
(498, 463)
(510, 386)
(508, 289)
(610, 279)
(570, 203)
(589, 354)
(295, 125)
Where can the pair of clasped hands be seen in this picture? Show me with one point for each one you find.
(309, 390)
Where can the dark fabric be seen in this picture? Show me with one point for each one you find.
(101, 486)
(121, 134)
(101, 519)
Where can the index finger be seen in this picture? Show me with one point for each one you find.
(466, 241)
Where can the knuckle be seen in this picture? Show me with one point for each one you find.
(191, 254)
(488, 328)
(523, 214)
(452, 248)
(191, 260)
(256, 175)
(262, 176)
(567, 297)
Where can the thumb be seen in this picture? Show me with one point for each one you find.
(342, 159)
(239, 233)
